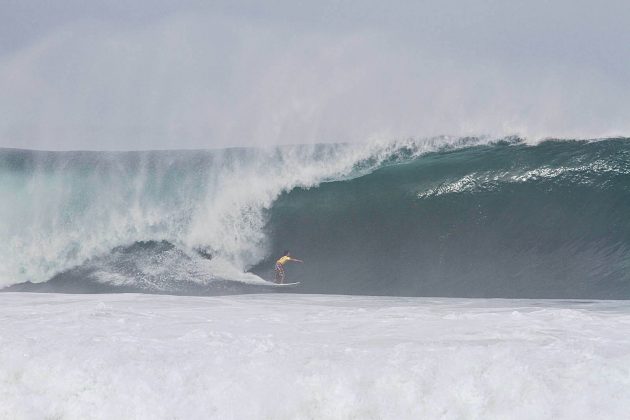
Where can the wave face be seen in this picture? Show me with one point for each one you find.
(447, 217)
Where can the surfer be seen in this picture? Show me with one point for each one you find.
(286, 257)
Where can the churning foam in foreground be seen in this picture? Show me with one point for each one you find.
(304, 357)
(63, 208)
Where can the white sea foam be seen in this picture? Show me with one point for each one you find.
(299, 357)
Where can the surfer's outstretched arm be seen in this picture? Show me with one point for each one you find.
(296, 260)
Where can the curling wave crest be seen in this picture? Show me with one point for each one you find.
(438, 217)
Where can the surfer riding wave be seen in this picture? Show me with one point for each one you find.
(280, 274)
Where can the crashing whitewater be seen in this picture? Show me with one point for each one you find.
(284, 356)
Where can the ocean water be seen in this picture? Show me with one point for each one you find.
(444, 278)
(439, 217)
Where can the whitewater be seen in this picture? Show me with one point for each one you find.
(289, 356)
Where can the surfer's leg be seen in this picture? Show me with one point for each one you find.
(279, 274)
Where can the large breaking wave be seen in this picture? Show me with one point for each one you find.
(448, 217)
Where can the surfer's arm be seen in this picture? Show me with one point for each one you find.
(296, 260)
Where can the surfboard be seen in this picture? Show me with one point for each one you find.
(283, 284)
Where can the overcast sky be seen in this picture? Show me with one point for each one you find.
(155, 74)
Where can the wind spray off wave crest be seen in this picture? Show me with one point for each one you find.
(69, 208)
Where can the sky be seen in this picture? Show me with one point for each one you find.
(156, 74)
